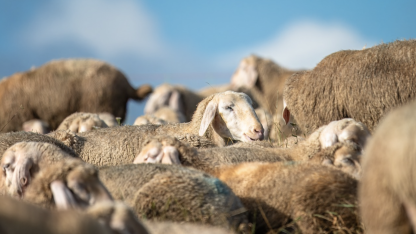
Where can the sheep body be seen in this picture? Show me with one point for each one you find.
(67, 86)
(316, 198)
(358, 84)
(175, 193)
(387, 190)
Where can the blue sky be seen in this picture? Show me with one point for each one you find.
(194, 43)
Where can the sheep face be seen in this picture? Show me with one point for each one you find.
(164, 95)
(155, 152)
(19, 164)
(82, 189)
(246, 74)
(82, 122)
(232, 117)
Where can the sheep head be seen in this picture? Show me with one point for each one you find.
(246, 74)
(162, 96)
(232, 117)
(158, 151)
(68, 183)
(82, 122)
(19, 163)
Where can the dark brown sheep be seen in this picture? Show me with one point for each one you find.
(359, 84)
(387, 191)
(59, 88)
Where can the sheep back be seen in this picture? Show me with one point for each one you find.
(358, 84)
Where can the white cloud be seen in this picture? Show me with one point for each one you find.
(301, 45)
(108, 28)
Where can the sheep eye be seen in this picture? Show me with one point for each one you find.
(347, 161)
(229, 108)
(5, 167)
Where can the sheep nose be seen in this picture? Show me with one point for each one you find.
(259, 132)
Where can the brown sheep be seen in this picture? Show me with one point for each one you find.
(174, 193)
(387, 191)
(59, 88)
(285, 196)
(265, 77)
(359, 84)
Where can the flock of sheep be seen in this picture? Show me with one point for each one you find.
(273, 151)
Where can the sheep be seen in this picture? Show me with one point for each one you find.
(219, 120)
(119, 217)
(36, 125)
(359, 84)
(67, 86)
(17, 217)
(23, 160)
(344, 152)
(174, 193)
(305, 197)
(345, 156)
(184, 101)
(178, 98)
(69, 183)
(387, 190)
(264, 76)
(82, 122)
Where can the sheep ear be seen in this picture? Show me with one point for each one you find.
(286, 115)
(176, 102)
(62, 195)
(22, 176)
(209, 115)
(246, 76)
